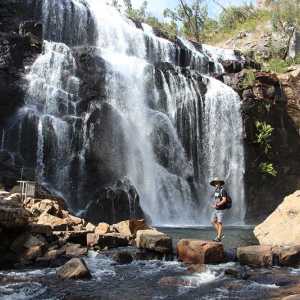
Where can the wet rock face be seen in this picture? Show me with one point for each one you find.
(116, 202)
(265, 100)
(20, 42)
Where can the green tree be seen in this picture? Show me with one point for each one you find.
(232, 16)
(192, 18)
(137, 14)
(286, 19)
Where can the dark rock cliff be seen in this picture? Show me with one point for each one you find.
(265, 100)
(20, 43)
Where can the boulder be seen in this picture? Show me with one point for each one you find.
(267, 255)
(282, 227)
(12, 212)
(54, 222)
(74, 250)
(32, 241)
(52, 258)
(238, 273)
(109, 240)
(39, 206)
(123, 257)
(287, 255)
(74, 269)
(40, 229)
(32, 253)
(90, 227)
(74, 220)
(92, 239)
(292, 297)
(102, 228)
(77, 237)
(3, 194)
(54, 254)
(257, 256)
(27, 241)
(154, 240)
(200, 252)
(130, 227)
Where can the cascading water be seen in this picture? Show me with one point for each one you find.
(52, 94)
(223, 152)
(164, 196)
(172, 127)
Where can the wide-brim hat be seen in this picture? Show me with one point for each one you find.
(217, 180)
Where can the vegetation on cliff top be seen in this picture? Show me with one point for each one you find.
(190, 19)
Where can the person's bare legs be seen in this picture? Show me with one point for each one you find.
(215, 224)
(219, 229)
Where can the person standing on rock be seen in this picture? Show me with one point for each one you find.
(219, 205)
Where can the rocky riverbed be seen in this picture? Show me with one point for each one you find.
(48, 253)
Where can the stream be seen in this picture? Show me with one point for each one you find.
(154, 279)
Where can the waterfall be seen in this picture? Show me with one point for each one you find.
(40, 168)
(170, 127)
(164, 196)
(223, 154)
(67, 21)
(52, 95)
(158, 49)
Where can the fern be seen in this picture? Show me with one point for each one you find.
(268, 169)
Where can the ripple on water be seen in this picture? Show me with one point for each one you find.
(24, 291)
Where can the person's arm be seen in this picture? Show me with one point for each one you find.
(223, 199)
(222, 202)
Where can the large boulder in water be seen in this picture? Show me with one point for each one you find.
(123, 257)
(153, 240)
(282, 227)
(267, 255)
(200, 252)
(74, 269)
(257, 256)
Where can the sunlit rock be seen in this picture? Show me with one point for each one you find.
(200, 252)
(74, 269)
(151, 239)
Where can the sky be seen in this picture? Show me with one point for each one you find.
(158, 6)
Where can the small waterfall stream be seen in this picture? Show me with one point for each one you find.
(173, 127)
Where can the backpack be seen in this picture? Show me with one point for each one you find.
(228, 203)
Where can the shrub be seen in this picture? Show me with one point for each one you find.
(263, 135)
(249, 79)
(267, 169)
(234, 15)
(279, 65)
